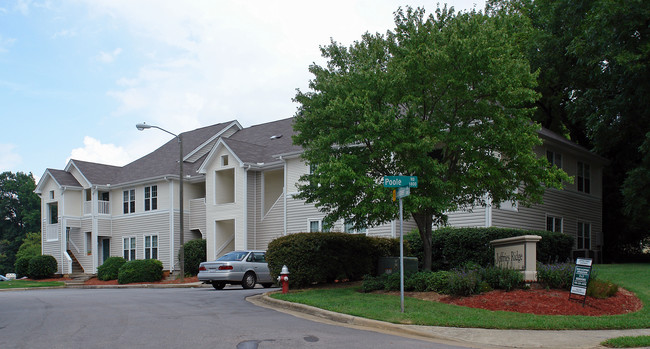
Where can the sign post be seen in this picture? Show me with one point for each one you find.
(581, 279)
(403, 185)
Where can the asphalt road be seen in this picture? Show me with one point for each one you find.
(169, 318)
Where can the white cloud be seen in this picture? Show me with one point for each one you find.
(65, 33)
(9, 159)
(109, 57)
(5, 42)
(94, 151)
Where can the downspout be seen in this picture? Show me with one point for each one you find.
(62, 226)
(94, 234)
(488, 212)
(246, 206)
(284, 196)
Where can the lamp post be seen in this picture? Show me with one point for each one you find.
(181, 254)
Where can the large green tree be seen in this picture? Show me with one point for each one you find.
(594, 63)
(19, 214)
(444, 97)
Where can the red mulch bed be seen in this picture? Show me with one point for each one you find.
(549, 302)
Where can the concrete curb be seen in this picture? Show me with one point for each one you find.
(187, 285)
(469, 337)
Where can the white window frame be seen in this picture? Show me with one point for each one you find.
(132, 254)
(580, 236)
(347, 228)
(319, 223)
(130, 203)
(554, 158)
(151, 198)
(224, 160)
(554, 224)
(151, 249)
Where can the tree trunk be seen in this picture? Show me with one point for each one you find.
(425, 223)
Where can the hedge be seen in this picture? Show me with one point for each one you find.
(42, 266)
(109, 270)
(452, 247)
(195, 253)
(22, 266)
(324, 257)
(140, 270)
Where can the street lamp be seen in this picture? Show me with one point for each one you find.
(181, 254)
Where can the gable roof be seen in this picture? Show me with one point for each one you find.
(61, 178)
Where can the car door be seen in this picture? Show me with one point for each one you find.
(261, 267)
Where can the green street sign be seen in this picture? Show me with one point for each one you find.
(400, 181)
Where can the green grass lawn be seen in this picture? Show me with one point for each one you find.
(29, 284)
(634, 277)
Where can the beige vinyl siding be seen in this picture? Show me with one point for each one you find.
(262, 228)
(197, 215)
(295, 168)
(86, 224)
(139, 225)
(73, 203)
(570, 206)
(104, 227)
(467, 218)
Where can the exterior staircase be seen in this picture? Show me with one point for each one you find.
(78, 276)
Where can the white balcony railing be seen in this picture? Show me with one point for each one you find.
(52, 232)
(103, 207)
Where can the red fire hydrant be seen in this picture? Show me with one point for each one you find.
(284, 279)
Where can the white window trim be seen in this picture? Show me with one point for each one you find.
(151, 197)
(130, 249)
(554, 155)
(320, 225)
(554, 217)
(129, 201)
(144, 246)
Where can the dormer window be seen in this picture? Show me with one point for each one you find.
(224, 160)
(51, 194)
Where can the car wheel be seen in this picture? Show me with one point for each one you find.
(249, 280)
(218, 285)
(267, 285)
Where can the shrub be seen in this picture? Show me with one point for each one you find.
(109, 270)
(372, 283)
(601, 289)
(392, 281)
(194, 254)
(140, 270)
(464, 282)
(22, 266)
(31, 246)
(557, 276)
(42, 266)
(455, 246)
(438, 281)
(324, 257)
(502, 278)
(418, 282)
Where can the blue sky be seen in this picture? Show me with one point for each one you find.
(76, 76)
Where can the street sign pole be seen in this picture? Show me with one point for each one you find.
(402, 188)
(401, 256)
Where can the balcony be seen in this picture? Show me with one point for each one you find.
(103, 207)
(52, 232)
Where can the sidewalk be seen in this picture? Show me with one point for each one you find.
(468, 337)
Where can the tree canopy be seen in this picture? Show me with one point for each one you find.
(446, 97)
(20, 214)
(594, 63)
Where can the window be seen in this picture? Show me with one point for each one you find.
(129, 248)
(151, 247)
(584, 178)
(554, 224)
(151, 198)
(51, 194)
(224, 160)
(53, 209)
(584, 236)
(317, 226)
(129, 201)
(348, 228)
(89, 242)
(554, 158)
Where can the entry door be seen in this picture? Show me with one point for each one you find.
(106, 249)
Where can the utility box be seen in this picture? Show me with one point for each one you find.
(389, 265)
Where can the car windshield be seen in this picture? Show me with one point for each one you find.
(233, 256)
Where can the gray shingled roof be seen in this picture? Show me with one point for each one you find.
(261, 147)
(64, 178)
